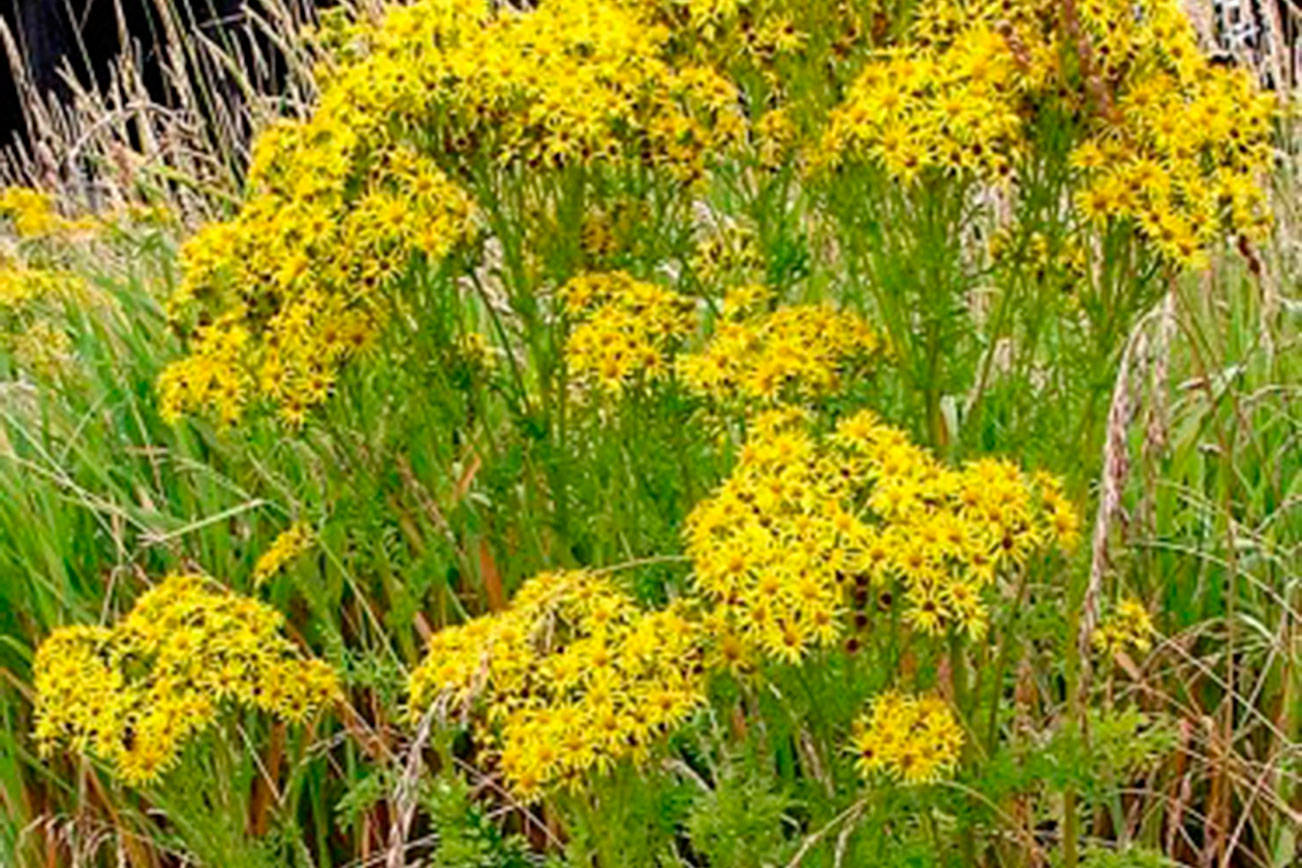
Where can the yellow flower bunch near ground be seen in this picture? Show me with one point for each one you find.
(795, 353)
(803, 522)
(133, 693)
(569, 679)
(913, 739)
(1128, 627)
(626, 329)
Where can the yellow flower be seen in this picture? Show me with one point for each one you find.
(32, 213)
(963, 92)
(794, 353)
(913, 739)
(569, 679)
(288, 545)
(774, 545)
(133, 693)
(626, 330)
(1128, 627)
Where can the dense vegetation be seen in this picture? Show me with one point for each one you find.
(671, 432)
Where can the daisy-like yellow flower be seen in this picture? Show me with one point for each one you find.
(1173, 143)
(804, 524)
(33, 215)
(289, 544)
(626, 330)
(1128, 627)
(571, 678)
(912, 739)
(133, 693)
(791, 354)
(341, 203)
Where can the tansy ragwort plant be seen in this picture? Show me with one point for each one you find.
(292, 542)
(761, 357)
(133, 693)
(574, 676)
(1096, 130)
(289, 289)
(1128, 627)
(612, 282)
(43, 274)
(35, 278)
(804, 524)
(340, 203)
(1165, 139)
(624, 330)
(913, 738)
(627, 331)
(422, 104)
(570, 679)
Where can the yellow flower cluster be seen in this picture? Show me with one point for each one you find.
(914, 739)
(341, 202)
(571, 678)
(289, 289)
(33, 216)
(626, 329)
(1168, 139)
(40, 277)
(133, 693)
(795, 353)
(1186, 141)
(770, 545)
(42, 349)
(1128, 627)
(213, 377)
(774, 138)
(947, 534)
(784, 53)
(950, 98)
(37, 342)
(21, 284)
(802, 520)
(726, 252)
(570, 81)
(287, 545)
